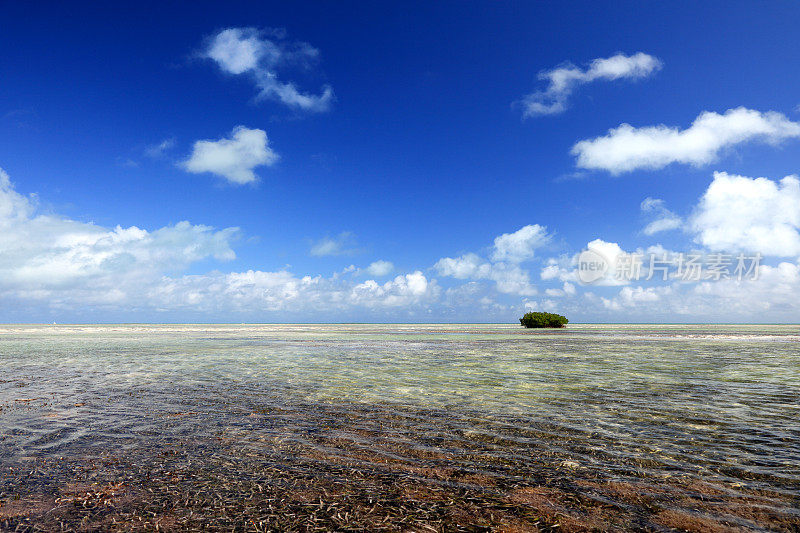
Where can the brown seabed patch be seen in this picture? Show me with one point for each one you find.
(335, 484)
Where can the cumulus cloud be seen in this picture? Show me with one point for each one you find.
(562, 81)
(234, 158)
(467, 266)
(401, 291)
(620, 264)
(634, 296)
(48, 254)
(737, 213)
(520, 246)
(380, 268)
(60, 264)
(627, 148)
(508, 278)
(662, 218)
(281, 291)
(568, 289)
(51, 263)
(773, 297)
(248, 51)
(508, 251)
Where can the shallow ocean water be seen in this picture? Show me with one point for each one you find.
(643, 421)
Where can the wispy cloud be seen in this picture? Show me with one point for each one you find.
(563, 81)
(627, 148)
(24, 118)
(662, 219)
(155, 151)
(233, 158)
(259, 54)
(342, 244)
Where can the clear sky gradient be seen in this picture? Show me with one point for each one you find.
(384, 202)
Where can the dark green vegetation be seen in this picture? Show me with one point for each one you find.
(543, 320)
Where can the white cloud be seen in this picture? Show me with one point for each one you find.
(569, 289)
(239, 50)
(564, 268)
(509, 278)
(663, 218)
(158, 150)
(342, 244)
(738, 213)
(774, 294)
(282, 291)
(14, 207)
(52, 256)
(626, 148)
(564, 80)
(520, 246)
(401, 291)
(467, 266)
(380, 268)
(615, 256)
(233, 159)
(56, 264)
(553, 270)
(633, 296)
(247, 51)
(503, 269)
(773, 297)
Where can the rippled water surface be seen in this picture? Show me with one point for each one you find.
(589, 427)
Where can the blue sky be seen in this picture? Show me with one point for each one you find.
(437, 135)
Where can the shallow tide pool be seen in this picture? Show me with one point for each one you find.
(400, 426)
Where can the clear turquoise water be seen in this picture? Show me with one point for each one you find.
(720, 403)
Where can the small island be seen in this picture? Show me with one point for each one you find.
(543, 320)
